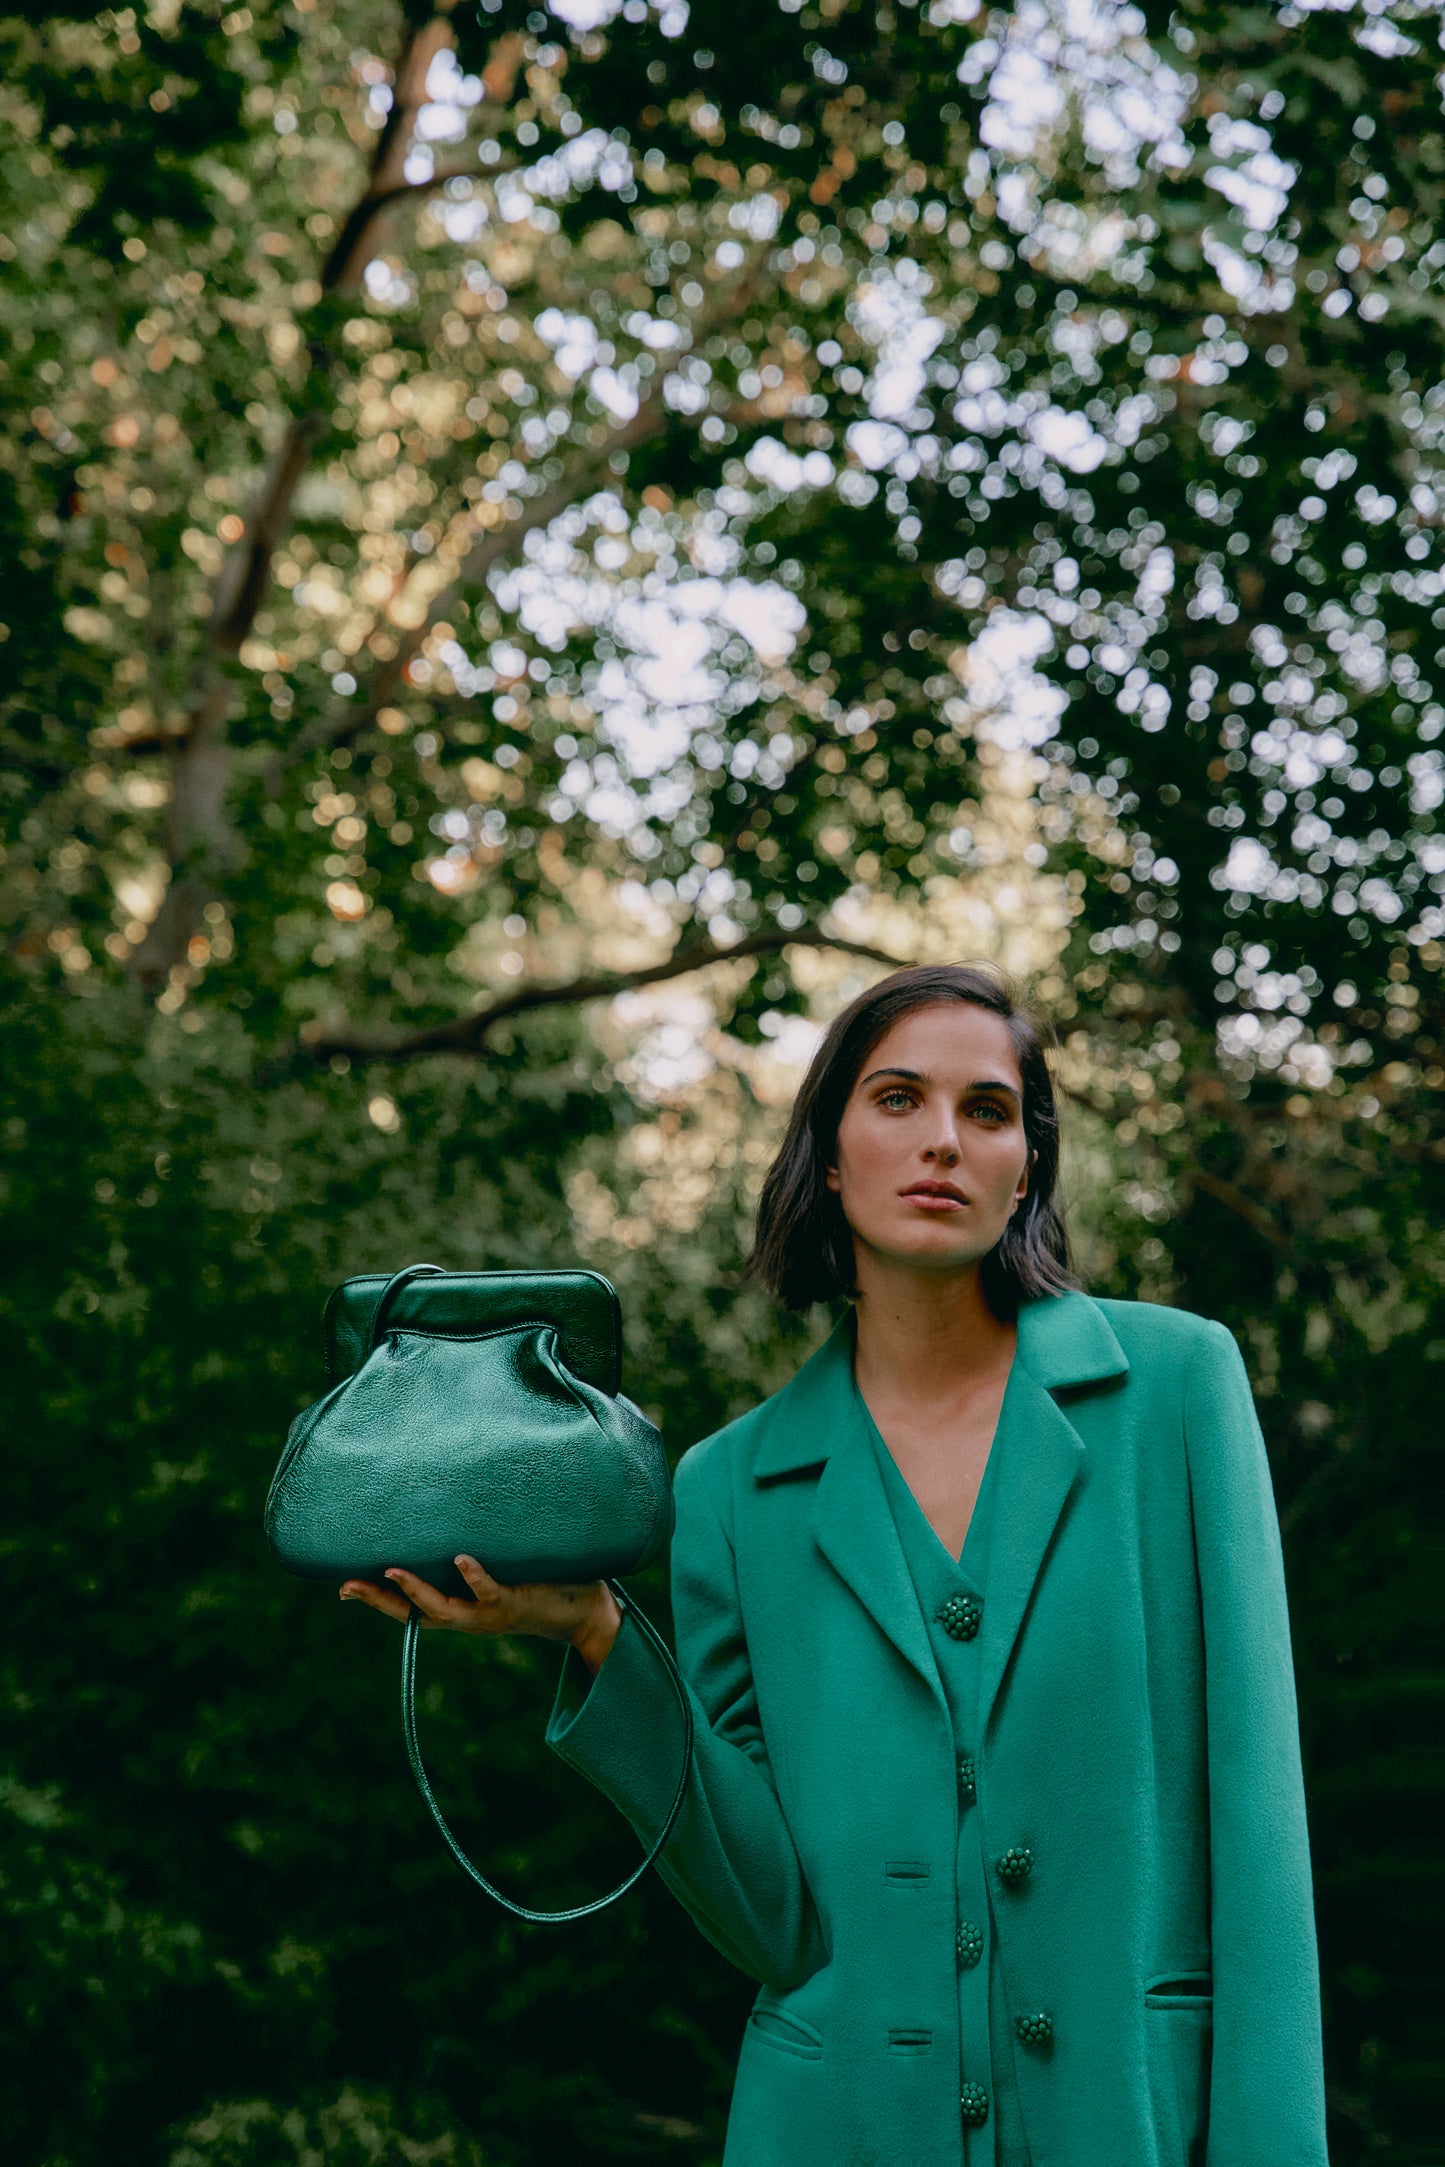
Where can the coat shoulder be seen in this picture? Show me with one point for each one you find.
(717, 1461)
(723, 1464)
(1155, 1336)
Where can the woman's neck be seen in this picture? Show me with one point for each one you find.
(922, 1336)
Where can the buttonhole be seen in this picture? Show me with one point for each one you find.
(907, 1873)
(1181, 1986)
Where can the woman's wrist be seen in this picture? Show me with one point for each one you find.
(598, 1629)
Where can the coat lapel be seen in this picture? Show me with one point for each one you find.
(822, 1417)
(854, 1528)
(1063, 1340)
(1040, 1458)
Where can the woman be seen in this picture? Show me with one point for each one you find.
(997, 1786)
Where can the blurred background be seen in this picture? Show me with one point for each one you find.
(542, 551)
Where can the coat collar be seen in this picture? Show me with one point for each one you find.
(1064, 1339)
(820, 1420)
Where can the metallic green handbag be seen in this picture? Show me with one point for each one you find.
(477, 1412)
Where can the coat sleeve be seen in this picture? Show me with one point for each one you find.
(730, 1859)
(1266, 2086)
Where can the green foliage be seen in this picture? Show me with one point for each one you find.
(350, 2132)
(219, 1883)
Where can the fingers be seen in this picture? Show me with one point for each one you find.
(479, 1580)
(553, 1611)
(390, 1604)
(481, 1612)
(438, 1608)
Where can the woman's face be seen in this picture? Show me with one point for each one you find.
(931, 1156)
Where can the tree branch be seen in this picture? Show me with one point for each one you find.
(469, 1034)
(242, 581)
(351, 252)
(345, 721)
(1244, 1207)
(241, 585)
(341, 272)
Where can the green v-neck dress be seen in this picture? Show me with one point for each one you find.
(951, 1594)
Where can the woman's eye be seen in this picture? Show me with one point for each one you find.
(895, 1098)
(987, 1106)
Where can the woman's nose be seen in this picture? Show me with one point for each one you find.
(944, 1148)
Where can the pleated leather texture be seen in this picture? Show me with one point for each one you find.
(581, 1304)
(478, 1442)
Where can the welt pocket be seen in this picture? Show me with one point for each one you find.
(910, 2039)
(788, 2033)
(1180, 1990)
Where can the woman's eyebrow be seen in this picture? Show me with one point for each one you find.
(909, 1075)
(913, 1075)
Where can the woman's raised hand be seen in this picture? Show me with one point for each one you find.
(586, 1614)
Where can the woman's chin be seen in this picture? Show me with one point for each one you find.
(933, 1248)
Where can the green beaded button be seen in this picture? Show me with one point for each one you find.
(1035, 2031)
(960, 1616)
(970, 1944)
(1015, 1865)
(973, 2100)
(968, 1780)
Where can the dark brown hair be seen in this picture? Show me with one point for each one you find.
(803, 1249)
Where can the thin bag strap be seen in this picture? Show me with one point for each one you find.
(381, 1314)
(413, 1749)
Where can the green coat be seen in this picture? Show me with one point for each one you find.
(1137, 1735)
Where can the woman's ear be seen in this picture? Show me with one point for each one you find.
(830, 1175)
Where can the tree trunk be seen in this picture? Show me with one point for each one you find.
(201, 844)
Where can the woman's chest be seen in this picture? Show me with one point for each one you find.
(942, 1454)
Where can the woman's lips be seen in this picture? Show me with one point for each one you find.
(933, 1199)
